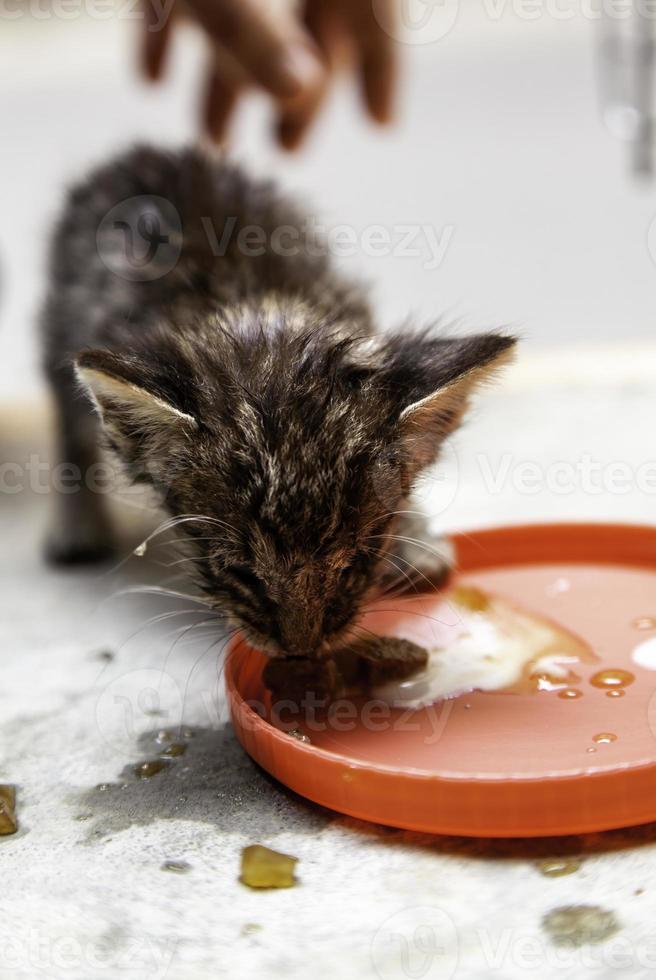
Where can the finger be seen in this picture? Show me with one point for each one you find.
(281, 60)
(324, 25)
(294, 121)
(377, 56)
(322, 21)
(220, 101)
(378, 67)
(155, 41)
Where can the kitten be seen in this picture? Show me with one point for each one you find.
(245, 383)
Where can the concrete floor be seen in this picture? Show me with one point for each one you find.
(84, 894)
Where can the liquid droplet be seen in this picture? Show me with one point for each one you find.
(591, 749)
(645, 623)
(577, 925)
(604, 737)
(299, 735)
(150, 768)
(140, 550)
(616, 693)
(102, 787)
(559, 586)
(8, 820)
(612, 677)
(177, 867)
(559, 867)
(645, 654)
(174, 750)
(570, 694)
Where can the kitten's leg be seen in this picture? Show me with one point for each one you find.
(80, 530)
(424, 558)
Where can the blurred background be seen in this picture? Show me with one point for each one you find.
(502, 147)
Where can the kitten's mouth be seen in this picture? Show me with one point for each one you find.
(274, 651)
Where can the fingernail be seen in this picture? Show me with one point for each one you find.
(300, 69)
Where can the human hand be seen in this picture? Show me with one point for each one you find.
(291, 56)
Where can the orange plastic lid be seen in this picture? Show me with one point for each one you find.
(496, 763)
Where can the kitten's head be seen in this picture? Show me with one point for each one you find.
(291, 453)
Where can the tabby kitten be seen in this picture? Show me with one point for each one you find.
(245, 383)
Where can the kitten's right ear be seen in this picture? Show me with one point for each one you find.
(447, 373)
(141, 404)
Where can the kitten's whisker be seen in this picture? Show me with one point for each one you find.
(389, 561)
(414, 541)
(170, 524)
(365, 629)
(226, 637)
(181, 636)
(159, 591)
(394, 513)
(413, 612)
(415, 569)
(159, 619)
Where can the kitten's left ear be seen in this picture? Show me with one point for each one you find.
(449, 371)
(142, 403)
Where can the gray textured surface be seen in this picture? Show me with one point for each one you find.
(82, 892)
